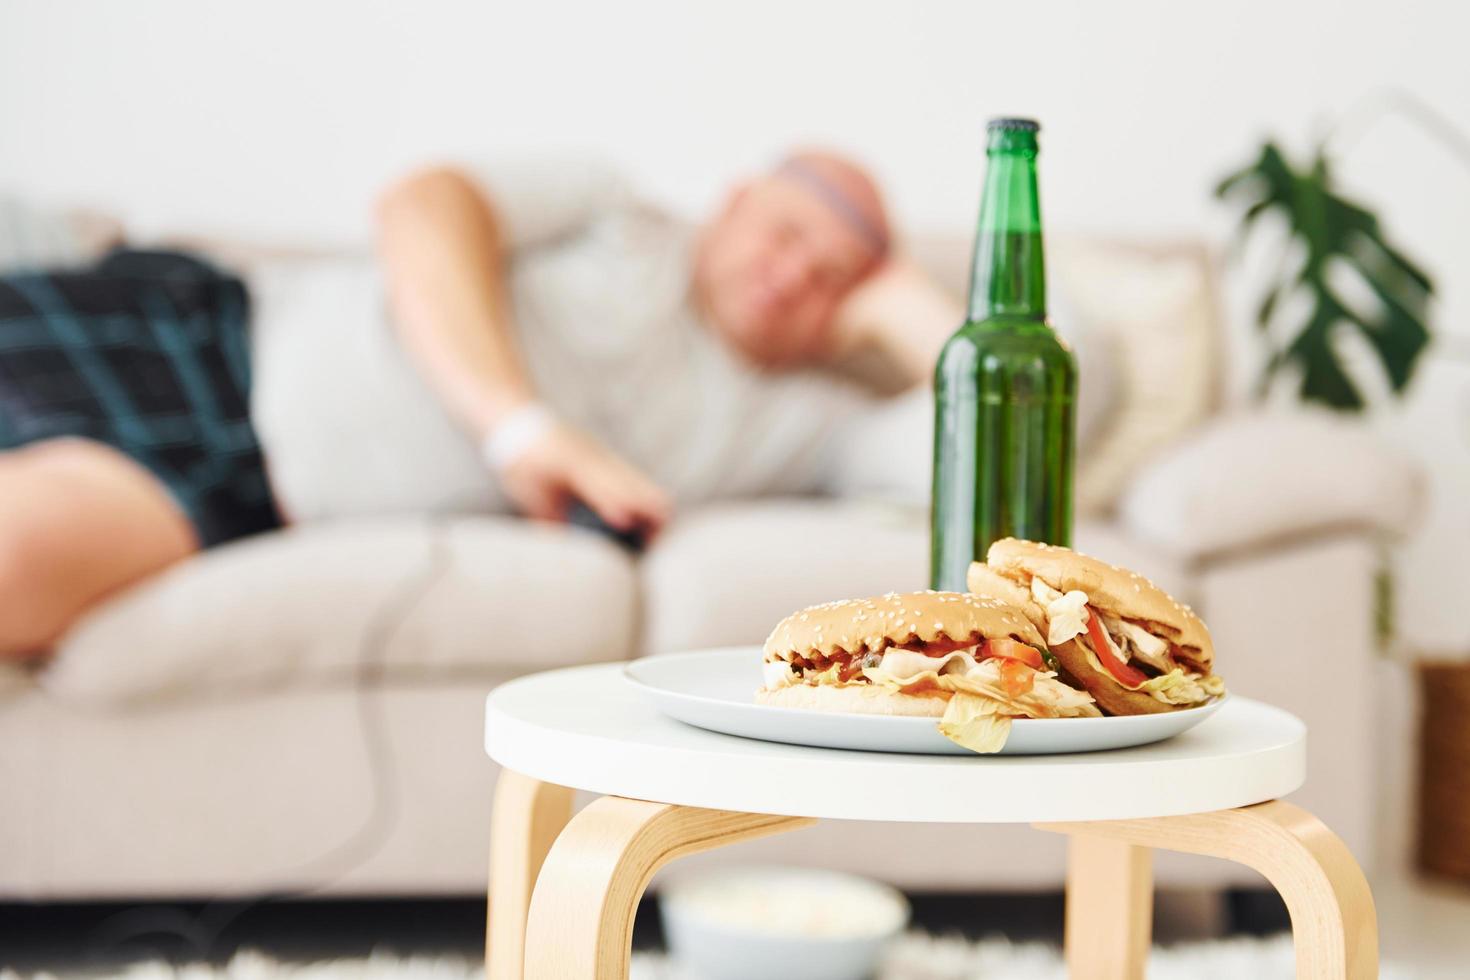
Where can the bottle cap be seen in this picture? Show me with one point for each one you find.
(1023, 125)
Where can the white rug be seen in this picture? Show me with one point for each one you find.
(915, 957)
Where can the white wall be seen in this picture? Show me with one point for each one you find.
(282, 118)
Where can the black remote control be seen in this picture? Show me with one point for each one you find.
(581, 515)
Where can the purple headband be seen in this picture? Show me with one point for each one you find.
(834, 197)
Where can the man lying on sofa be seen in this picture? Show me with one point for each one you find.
(593, 349)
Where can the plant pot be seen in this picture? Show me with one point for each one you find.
(1444, 769)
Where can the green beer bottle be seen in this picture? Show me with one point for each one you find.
(1004, 386)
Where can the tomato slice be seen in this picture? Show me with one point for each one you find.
(1016, 678)
(1010, 649)
(1130, 677)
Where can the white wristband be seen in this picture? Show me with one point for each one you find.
(516, 433)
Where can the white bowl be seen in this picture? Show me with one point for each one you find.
(791, 923)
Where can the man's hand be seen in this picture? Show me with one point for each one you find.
(902, 312)
(564, 464)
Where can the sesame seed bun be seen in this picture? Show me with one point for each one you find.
(863, 699)
(986, 581)
(1112, 590)
(910, 619)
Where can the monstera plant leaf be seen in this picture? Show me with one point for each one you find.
(1333, 232)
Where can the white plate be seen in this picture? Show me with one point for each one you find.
(715, 690)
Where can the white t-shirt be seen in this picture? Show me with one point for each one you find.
(600, 294)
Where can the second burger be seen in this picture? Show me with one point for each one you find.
(1129, 643)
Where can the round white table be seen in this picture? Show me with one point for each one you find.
(563, 889)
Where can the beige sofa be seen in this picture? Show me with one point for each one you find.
(303, 710)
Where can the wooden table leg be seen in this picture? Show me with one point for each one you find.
(1334, 925)
(1110, 891)
(525, 818)
(581, 924)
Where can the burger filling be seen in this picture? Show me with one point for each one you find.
(1127, 651)
(986, 684)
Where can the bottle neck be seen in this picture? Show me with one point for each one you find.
(1009, 277)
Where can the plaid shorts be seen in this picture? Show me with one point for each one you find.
(147, 352)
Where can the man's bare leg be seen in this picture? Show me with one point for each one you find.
(78, 521)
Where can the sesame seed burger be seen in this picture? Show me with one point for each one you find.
(973, 662)
(1123, 639)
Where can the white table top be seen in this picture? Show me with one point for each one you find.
(585, 727)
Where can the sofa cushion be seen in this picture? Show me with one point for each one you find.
(1156, 307)
(34, 237)
(426, 599)
(725, 575)
(1252, 479)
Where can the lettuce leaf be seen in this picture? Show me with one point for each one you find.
(1177, 687)
(975, 723)
(1048, 697)
(830, 676)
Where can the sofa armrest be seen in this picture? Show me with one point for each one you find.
(1295, 627)
(1248, 480)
